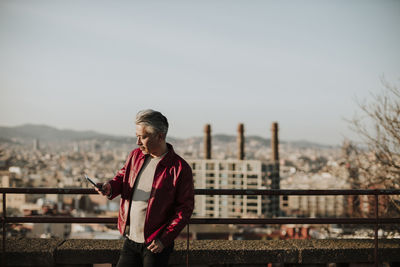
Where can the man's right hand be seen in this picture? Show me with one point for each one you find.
(106, 187)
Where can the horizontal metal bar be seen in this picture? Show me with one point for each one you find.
(273, 192)
(43, 190)
(293, 192)
(64, 219)
(296, 221)
(61, 219)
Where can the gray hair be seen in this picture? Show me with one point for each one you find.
(153, 119)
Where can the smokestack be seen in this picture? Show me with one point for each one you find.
(275, 177)
(207, 141)
(240, 141)
(275, 142)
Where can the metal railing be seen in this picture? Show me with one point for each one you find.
(376, 221)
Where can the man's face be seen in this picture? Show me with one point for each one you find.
(147, 141)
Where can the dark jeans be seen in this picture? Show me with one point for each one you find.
(137, 255)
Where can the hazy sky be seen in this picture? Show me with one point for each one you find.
(91, 65)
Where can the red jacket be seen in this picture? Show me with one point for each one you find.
(171, 199)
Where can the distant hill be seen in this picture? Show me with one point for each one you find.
(48, 133)
(51, 134)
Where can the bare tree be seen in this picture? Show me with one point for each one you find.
(379, 128)
(376, 164)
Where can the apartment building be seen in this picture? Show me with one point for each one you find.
(230, 174)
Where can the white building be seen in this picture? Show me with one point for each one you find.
(229, 174)
(313, 206)
(15, 201)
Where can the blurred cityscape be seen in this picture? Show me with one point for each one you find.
(41, 156)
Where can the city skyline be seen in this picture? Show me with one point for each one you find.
(92, 65)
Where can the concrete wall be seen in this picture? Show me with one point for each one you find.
(81, 252)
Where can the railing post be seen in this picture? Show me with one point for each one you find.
(376, 229)
(3, 254)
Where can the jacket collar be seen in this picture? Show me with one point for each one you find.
(167, 159)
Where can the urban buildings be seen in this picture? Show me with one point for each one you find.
(235, 174)
(229, 174)
(228, 164)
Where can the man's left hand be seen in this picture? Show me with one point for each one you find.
(156, 246)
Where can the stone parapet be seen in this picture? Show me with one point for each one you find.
(84, 252)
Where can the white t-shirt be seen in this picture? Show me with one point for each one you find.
(140, 198)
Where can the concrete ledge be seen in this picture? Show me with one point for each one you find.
(53, 252)
(78, 251)
(235, 252)
(286, 251)
(31, 252)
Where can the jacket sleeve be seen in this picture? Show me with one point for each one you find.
(117, 181)
(184, 204)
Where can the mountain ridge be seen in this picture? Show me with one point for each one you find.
(48, 133)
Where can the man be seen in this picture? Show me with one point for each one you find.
(157, 198)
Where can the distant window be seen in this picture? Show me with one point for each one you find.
(210, 166)
(249, 168)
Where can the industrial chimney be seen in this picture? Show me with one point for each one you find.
(275, 142)
(275, 176)
(240, 141)
(207, 141)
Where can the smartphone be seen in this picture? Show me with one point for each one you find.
(93, 183)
